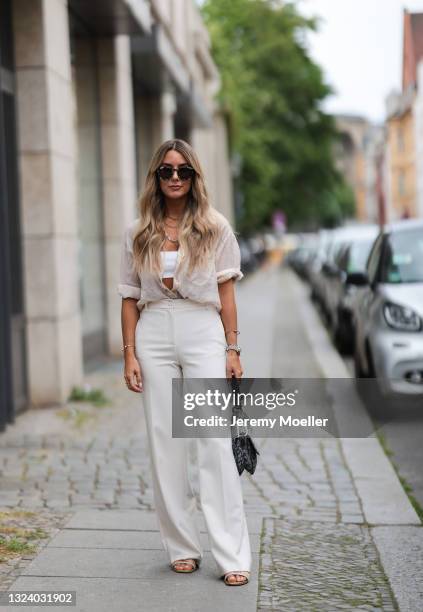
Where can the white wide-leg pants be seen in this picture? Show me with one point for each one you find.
(178, 337)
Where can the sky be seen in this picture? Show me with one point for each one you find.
(359, 47)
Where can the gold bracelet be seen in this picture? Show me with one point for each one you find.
(126, 346)
(235, 331)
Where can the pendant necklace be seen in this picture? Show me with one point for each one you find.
(171, 239)
(174, 240)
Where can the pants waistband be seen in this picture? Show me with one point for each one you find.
(178, 304)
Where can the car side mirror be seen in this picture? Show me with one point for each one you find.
(325, 267)
(359, 279)
(329, 269)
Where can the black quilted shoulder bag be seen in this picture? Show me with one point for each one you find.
(244, 450)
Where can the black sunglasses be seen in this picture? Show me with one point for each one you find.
(184, 172)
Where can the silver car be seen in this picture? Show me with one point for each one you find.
(388, 314)
(349, 255)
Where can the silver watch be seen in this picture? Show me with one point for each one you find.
(235, 347)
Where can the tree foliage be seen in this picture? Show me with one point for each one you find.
(273, 92)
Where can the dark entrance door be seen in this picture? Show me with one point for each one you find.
(13, 387)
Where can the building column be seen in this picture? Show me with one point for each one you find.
(144, 135)
(222, 175)
(118, 164)
(212, 148)
(46, 121)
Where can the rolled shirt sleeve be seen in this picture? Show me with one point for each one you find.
(228, 256)
(129, 281)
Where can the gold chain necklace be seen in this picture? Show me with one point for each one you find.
(174, 240)
(171, 239)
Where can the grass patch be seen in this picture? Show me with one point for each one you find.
(19, 532)
(405, 485)
(76, 415)
(10, 514)
(95, 397)
(13, 547)
(15, 539)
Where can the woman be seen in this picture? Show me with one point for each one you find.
(179, 261)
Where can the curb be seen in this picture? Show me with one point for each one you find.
(383, 499)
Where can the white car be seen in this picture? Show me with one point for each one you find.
(388, 314)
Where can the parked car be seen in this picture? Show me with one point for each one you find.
(315, 265)
(248, 258)
(300, 257)
(388, 315)
(350, 255)
(257, 246)
(297, 259)
(334, 242)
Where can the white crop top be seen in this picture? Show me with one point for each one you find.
(169, 263)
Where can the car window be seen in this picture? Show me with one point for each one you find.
(358, 255)
(342, 257)
(403, 257)
(374, 257)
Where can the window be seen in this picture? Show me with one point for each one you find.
(358, 255)
(403, 257)
(401, 183)
(400, 139)
(374, 258)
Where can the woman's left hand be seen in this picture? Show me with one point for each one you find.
(233, 365)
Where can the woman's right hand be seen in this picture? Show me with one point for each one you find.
(132, 373)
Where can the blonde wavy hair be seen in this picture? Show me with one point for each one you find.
(199, 226)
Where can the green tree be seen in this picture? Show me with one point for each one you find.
(273, 92)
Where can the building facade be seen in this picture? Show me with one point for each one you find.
(350, 157)
(403, 123)
(418, 137)
(88, 91)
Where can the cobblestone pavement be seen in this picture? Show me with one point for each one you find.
(297, 478)
(41, 526)
(49, 461)
(320, 566)
(316, 552)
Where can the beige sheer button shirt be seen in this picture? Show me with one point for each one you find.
(200, 286)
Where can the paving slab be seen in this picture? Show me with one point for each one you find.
(96, 563)
(196, 592)
(382, 495)
(124, 539)
(133, 520)
(401, 552)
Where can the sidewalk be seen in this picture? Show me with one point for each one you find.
(331, 527)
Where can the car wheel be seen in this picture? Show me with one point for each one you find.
(368, 386)
(342, 334)
(371, 370)
(341, 342)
